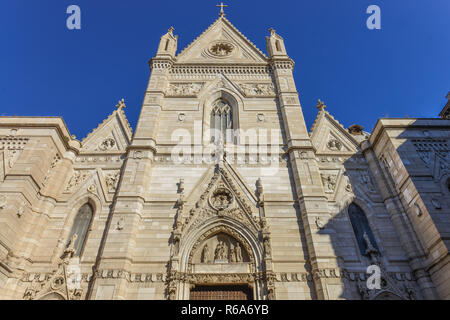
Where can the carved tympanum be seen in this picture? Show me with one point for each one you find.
(220, 248)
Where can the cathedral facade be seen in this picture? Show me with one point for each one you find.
(221, 192)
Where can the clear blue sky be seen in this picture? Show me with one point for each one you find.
(362, 75)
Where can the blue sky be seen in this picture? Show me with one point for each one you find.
(361, 75)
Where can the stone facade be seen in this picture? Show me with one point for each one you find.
(277, 219)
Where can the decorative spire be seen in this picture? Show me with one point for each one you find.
(121, 104)
(320, 105)
(272, 31)
(171, 29)
(221, 6)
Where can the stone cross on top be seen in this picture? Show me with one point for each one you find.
(221, 6)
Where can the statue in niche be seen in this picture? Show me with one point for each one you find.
(205, 254)
(238, 252)
(221, 252)
(232, 255)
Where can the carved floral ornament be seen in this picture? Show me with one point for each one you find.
(107, 144)
(334, 145)
(221, 49)
(221, 199)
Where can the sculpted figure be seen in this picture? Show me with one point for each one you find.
(238, 252)
(70, 249)
(217, 251)
(369, 246)
(232, 255)
(223, 252)
(205, 254)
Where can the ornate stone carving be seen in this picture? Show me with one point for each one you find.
(226, 230)
(329, 182)
(221, 199)
(205, 254)
(111, 180)
(365, 179)
(92, 189)
(107, 144)
(334, 145)
(261, 117)
(319, 223)
(221, 49)
(221, 252)
(78, 177)
(258, 89)
(181, 117)
(190, 89)
(56, 160)
(60, 282)
(69, 251)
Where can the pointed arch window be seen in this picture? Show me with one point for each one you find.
(81, 226)
(361, 226)
(221, 122)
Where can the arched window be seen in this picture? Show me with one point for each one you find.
(221, 122)
(81, 226)
(361, 226)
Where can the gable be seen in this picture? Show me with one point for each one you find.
(114, 134)
(329, 136)
(221, 43)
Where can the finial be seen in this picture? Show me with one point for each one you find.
(321, 106)
(272, 31)
(221, 6)
(171, 29)
(121, 104)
